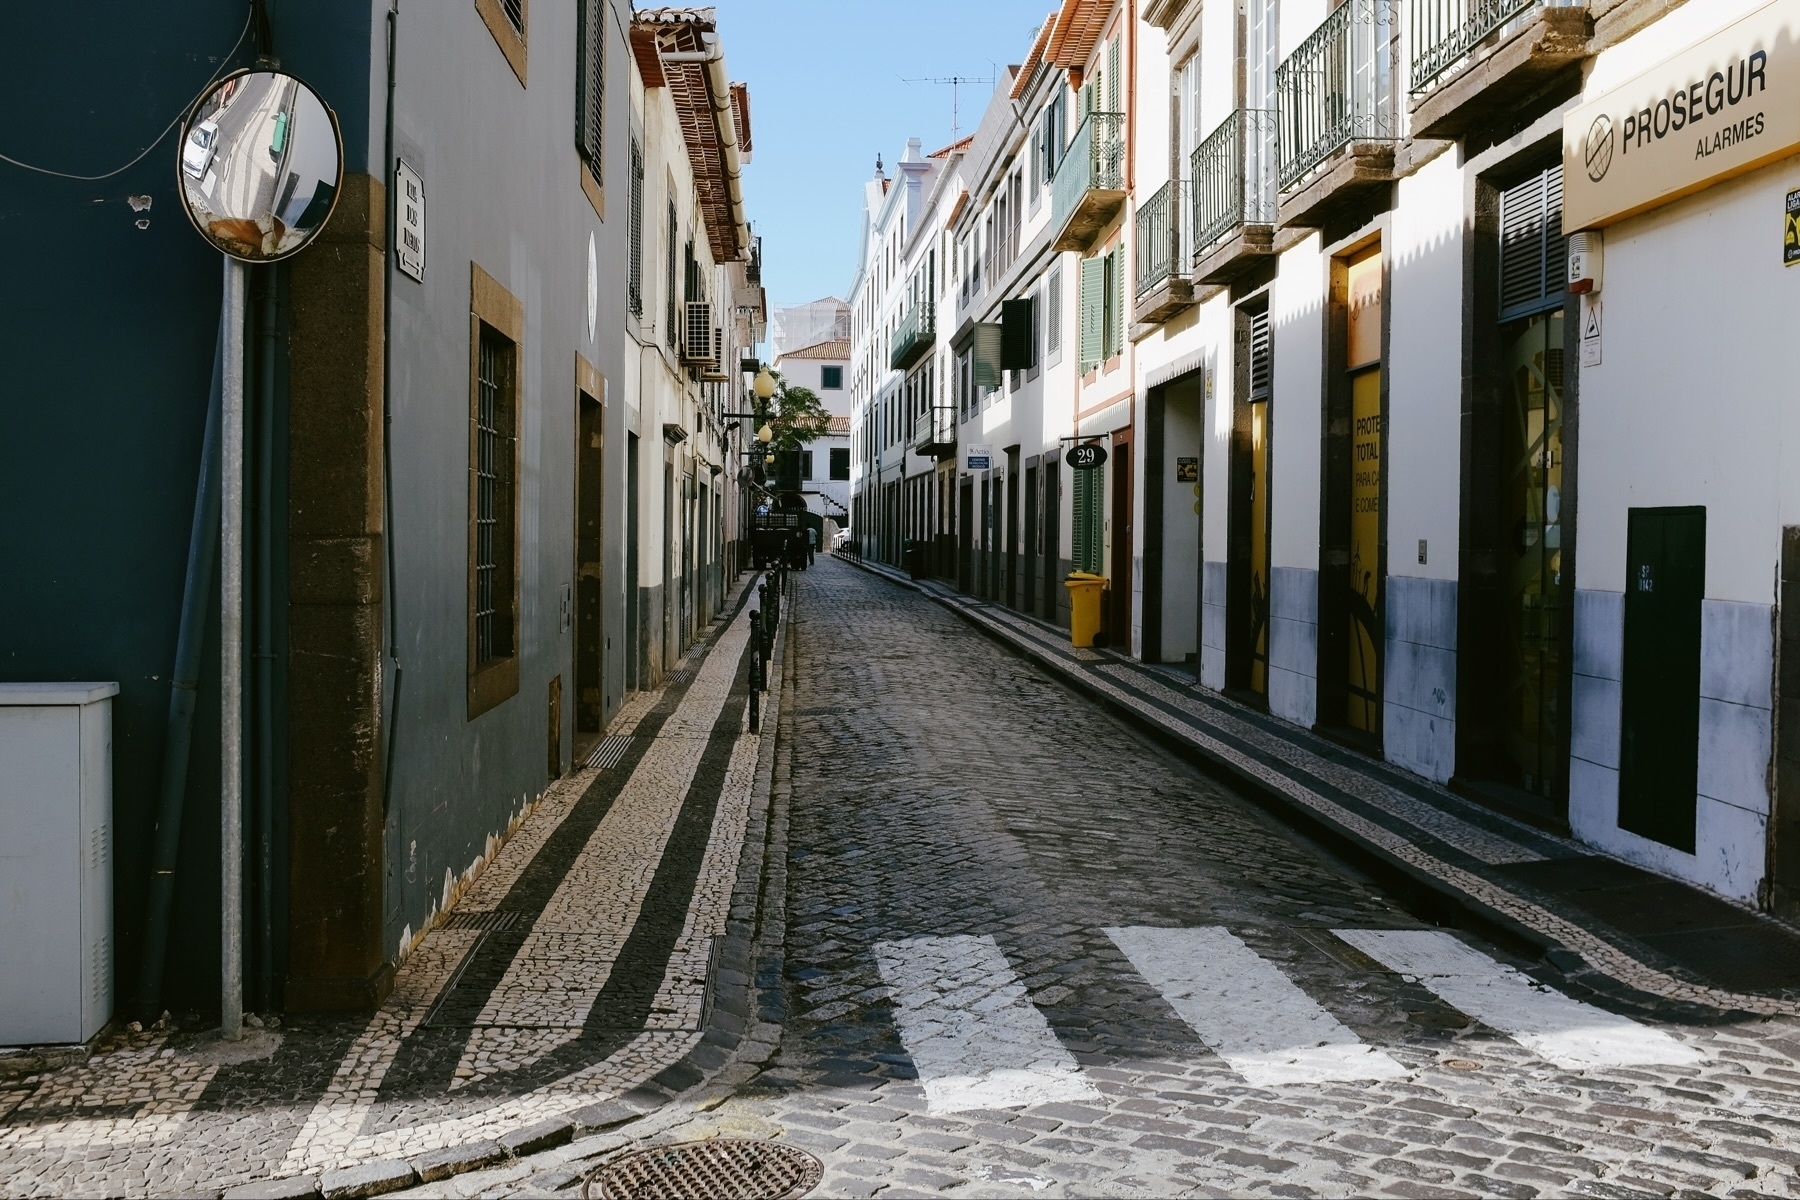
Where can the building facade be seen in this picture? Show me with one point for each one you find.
(458, 569)
(1368, 461)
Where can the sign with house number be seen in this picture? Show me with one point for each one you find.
(1086, 457)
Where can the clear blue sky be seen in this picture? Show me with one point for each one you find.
(826, 96)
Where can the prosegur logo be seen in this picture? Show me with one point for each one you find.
(1599, 148)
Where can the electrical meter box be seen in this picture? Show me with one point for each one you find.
(56, 945)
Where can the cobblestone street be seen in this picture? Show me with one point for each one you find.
(1103, 973)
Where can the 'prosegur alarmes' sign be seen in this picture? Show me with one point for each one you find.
(1725, 106)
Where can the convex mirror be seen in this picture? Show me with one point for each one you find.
(260, 164)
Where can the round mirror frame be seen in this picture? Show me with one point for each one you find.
(181, 180)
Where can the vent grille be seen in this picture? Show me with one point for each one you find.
(607, 754)
(487, 922)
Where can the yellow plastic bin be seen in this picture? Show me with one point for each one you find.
(1085, 592)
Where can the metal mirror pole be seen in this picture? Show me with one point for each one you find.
(231, 659)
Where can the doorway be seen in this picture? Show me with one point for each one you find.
(1516, 578)
(1120, 568)
(589, 673)
(1011, 591)
(965, 538)
(1052, 539)
(635, 641)
(1171, 621)
(1247, 542)
(1353, 553)
(1029, 567)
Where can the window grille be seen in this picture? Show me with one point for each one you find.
(515, 14)
(590, 83)
(635, 269)
(1531, 245)
(493, 497)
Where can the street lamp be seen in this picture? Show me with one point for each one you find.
(763, 385)
(765, 435)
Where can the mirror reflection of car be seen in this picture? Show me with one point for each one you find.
(202, 144)
(281, 134)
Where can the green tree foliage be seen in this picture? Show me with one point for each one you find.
(794, 414)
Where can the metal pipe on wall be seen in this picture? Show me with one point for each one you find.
(231, 660)
(184, 688)
(263, 602)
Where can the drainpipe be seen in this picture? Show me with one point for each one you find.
(184, 686)
(388, 730)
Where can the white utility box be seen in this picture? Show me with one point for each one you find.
(56, 961)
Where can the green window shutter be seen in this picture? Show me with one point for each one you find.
(989, 338)
(1088, 530)
(1115, 301)
(1093, 283)
(1112, 76)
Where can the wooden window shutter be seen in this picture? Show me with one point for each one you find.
(1531, 245)
(590, 88)
(1087, 532)
(1093, 283)
(1016, 343)
(1262, 357)
(1112, 76)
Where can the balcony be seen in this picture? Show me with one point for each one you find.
(915, 337)
(1234, 197)
(1339, 124)
(1089, 187)
(934, 435)
(1474, 59)
(1163, 285)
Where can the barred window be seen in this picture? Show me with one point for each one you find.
(495, 404)
(635, 269)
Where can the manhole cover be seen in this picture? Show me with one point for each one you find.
(735, 1167)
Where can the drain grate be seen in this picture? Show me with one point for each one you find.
(611, 749)
(491, 922)
(737, 1167)
(679, 675)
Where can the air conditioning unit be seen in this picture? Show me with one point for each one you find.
(698, 347)
(715, 372)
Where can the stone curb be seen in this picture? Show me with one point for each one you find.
(729, 1017)
(1420, 892)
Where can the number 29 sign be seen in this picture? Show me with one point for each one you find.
(1086, 457)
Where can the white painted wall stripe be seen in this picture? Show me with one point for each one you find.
(1252, 1015)
(1559, 1028)
(974, 1035)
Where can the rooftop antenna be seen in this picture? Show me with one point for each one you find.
(955, 82)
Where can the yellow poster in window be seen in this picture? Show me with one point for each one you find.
(1363, 647)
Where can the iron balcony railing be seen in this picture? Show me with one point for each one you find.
(1444, 32)
(1234, 177)
(1159, 238)
(1095, 162)
(935, 428)
(917, 331)
(1337, 88)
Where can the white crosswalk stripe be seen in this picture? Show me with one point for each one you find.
(974, 1035)
(1559, 1028)
(1252, 1015)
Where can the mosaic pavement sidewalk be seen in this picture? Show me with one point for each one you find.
(573, 970)
(1656, 939)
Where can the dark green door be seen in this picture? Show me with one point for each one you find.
(1665, 553)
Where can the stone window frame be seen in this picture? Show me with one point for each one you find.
(492, 305)
(510, 40)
